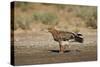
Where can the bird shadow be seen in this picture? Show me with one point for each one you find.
(66, 51)
(57, 51)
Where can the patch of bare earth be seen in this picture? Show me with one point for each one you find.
(40, 48)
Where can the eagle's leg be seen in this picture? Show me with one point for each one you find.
(64, 44)
(67, 44)
(61, 47)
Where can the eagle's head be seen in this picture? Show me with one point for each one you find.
(51, 29)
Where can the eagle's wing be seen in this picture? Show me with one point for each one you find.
(66, 35)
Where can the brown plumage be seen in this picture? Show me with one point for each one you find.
(62, 36)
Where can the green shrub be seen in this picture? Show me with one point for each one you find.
(91, 23)
(22, 5)
(88, 14)
(60, 6)
(45, 18)
(76, 30)
(22, 21)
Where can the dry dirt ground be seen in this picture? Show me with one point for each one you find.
(40, 48)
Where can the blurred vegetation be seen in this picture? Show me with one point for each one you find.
(60, 6)
(88, 14)
(23, 24)
(27, 14)
(22, 21)
(76, 30)
(45, 18)
(23, 5)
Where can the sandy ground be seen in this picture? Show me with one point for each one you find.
(40, 48)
